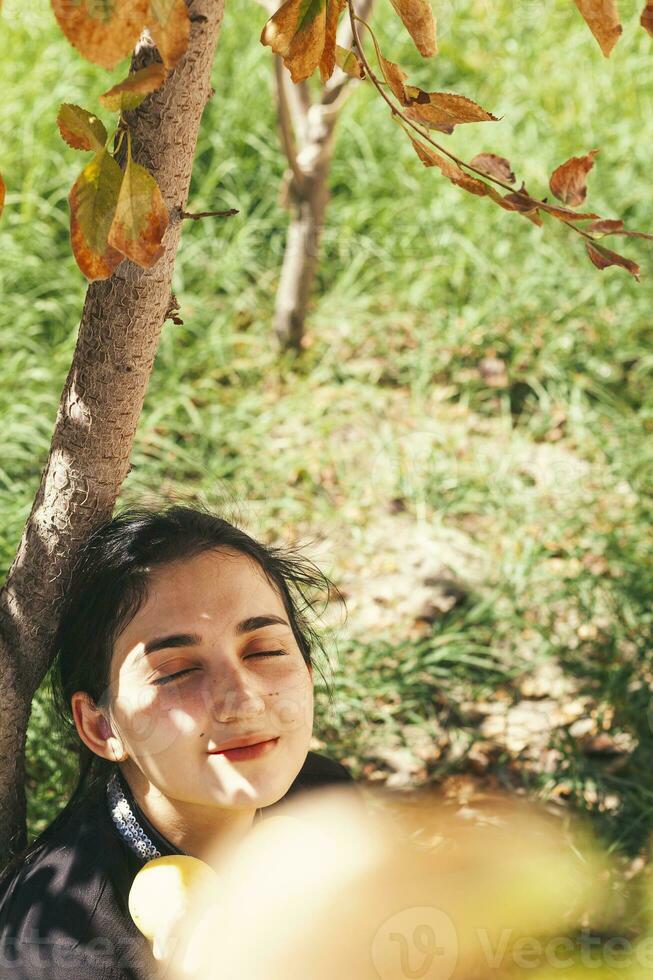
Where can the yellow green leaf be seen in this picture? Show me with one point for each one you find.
(169, 25)
(349, 63)
(602, 18)
(2, 195)
(296, 32)
(103, 31)
(141, 217)
(132, 90)
(418, 19)
(93, 200)
(80, 129)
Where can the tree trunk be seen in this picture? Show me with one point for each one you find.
(308, 136)
(99, 410)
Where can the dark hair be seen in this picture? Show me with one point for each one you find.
(108, 585)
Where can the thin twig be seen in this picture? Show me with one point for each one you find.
(209, 214)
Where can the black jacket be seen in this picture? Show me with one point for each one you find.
(64, 912)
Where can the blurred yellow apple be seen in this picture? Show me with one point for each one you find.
(159, 896)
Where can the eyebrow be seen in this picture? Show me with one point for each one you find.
(194, 639)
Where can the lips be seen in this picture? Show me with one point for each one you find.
(241, 741)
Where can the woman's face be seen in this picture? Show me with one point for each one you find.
(201, 664)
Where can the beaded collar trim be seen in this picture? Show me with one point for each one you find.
(126, 823)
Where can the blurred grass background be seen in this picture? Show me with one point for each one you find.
(419, 287)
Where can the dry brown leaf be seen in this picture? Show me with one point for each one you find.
(615, 226)
(646, 20)
(296, 32)
(566, 214)
(437, 110)
(517, 201)
(395, 76)
(569, 181)
(450, 169)
(474, 186)
(169, 25)
(494, 165)
(430, 158)
(603, 257)
(327, 62)
(522, 202)
(103, 36)
(444, 110)
(418, 18)
(602, 18)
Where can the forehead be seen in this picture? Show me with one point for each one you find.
(215, 590)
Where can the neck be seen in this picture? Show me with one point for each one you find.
(207, 833)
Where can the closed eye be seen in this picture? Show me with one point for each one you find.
(187, 670)
(172, 677)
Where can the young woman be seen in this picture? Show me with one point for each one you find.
(183, 668)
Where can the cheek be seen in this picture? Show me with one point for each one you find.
(154, 721)
(291, 708)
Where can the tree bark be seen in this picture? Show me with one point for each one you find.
(99, 410)
(308, 136)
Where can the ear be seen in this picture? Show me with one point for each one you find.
(94, 729)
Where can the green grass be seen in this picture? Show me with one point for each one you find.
(418, 282)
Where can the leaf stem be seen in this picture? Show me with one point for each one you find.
(119, 137)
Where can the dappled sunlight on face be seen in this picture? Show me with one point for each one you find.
(211, 657)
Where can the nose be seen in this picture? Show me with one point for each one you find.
(234, 698)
